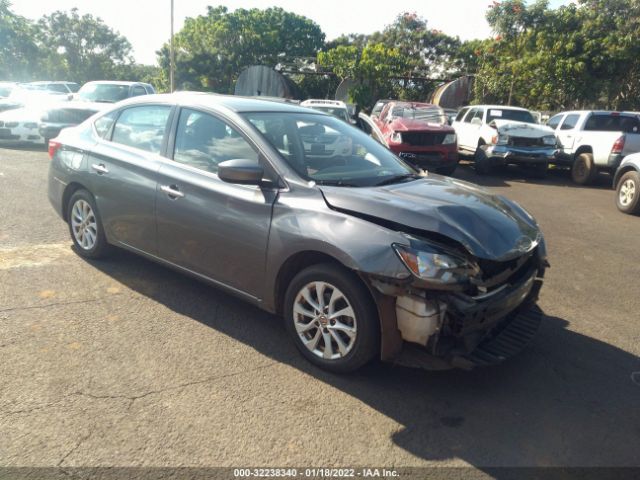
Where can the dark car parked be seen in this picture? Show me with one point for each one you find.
(103, 91)
(361, 254)
(66, 115)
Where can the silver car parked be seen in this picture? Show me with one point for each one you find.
(362, 255)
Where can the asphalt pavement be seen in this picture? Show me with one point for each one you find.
(123, 362)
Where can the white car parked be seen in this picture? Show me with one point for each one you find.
(332, 107)
(21, 126)
(498, 135)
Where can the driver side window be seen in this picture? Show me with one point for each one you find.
(203, 141)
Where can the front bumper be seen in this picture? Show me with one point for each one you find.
(429, 159)
(506, 154)
(20, 135)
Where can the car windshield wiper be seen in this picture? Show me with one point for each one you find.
(335, 183)
(397, 179)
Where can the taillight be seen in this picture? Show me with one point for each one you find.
(53, 148)
(618, 146)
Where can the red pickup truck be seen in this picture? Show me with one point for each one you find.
(419, 134)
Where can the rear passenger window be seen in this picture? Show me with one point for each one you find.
(103, 124)
(138, 90)
(142, 127)
(203, 141)
(570, 122)
(554, 121)
(461, 114)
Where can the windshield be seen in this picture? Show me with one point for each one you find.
(327, 150)
(103, 92)
(429, 114)
(515, 115)
(341, 113)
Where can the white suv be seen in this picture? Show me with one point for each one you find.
(333, 107)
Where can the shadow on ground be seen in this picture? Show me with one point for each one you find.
(501, 176)
(569, 400)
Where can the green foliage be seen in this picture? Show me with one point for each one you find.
(212, 49)
(81, 47)
(19, 53)
(576, 56)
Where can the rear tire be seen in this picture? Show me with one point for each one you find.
(583, 171)
(85, 226)
(312, 297)
(628, 193)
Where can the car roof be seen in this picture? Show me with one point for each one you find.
(413, 104)
(598, 112)
(234, 103)
(112, 82)
(500, 107)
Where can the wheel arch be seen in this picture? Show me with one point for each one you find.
(582, 149)
(621, 171)
(69, 190)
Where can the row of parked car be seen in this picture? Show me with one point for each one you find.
(35, 112)
(588, 141)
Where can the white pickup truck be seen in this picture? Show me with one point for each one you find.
(593, 141)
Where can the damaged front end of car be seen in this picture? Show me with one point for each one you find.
(459, 311)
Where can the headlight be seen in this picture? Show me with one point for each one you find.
(549, 140)
(449, 139)
(436, 266)
(500, 139)
(396, 137)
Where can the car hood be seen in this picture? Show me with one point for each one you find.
(522, 129)
(489, 226)
(412, 125)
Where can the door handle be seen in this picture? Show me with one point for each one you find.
(100, 168)
(172, 191)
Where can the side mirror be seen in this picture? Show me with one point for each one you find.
(476, 121)
(241, 172)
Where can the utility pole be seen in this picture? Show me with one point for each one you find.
(172, 67)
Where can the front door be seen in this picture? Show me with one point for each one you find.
(208, 226)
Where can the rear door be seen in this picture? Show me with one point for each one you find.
(210, 227)
(123, 171)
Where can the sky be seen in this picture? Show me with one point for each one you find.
(146, 23)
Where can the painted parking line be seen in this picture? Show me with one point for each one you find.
(33, 255)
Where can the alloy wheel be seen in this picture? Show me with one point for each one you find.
(84, 224)
(627, 192)
(324, 320)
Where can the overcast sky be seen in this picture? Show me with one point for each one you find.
(146, 23)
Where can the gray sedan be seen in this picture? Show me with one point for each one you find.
(309, 218)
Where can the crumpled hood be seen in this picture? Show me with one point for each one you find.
(489, 226)
(522, 129)
(412, 125)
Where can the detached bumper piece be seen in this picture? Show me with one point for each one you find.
(513, 338)
(523, 155)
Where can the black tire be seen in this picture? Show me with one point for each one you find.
(100, 248)
(632, 203)
(448, 170)
(583, 170)
(482, 164)
(366, 344)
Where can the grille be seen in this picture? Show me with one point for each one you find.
(516, 267)
(423, 138)
(525, 142)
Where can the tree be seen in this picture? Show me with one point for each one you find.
(375, 70)
(81, 48)
(213, 49)
(19, 53)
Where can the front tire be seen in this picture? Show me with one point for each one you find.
(332, 318)
(85, 226)
(628, 193)
(583, 171)
(482, 163)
